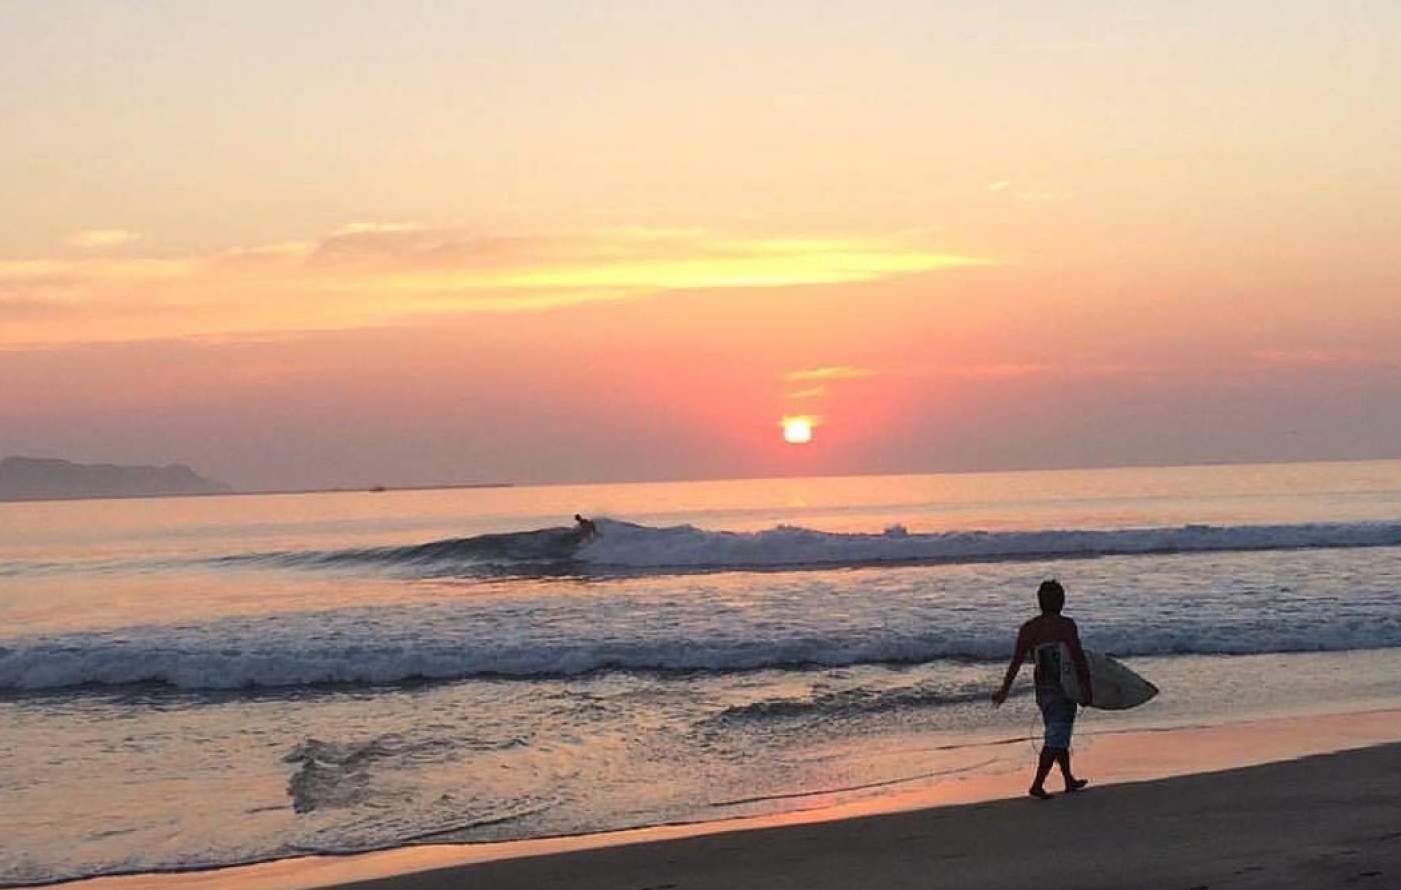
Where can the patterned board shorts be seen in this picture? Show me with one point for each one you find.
(1058, 713)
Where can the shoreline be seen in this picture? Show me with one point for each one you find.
(1123, 766)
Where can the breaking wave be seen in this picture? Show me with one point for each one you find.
(212, 664)
(792, 620)
(624, 546)
(543, 546)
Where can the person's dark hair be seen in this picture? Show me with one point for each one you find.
(1051, 596)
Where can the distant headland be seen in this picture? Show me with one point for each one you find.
(39, 479)
(54, 479)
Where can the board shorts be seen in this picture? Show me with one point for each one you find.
(1058, 713)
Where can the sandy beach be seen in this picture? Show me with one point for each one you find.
(1325, 821)
(1170, 808)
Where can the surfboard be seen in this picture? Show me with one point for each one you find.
(1115, 686)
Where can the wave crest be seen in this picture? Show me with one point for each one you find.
(625, 546)
(211, 666)
(685, 546)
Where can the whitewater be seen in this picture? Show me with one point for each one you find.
(812, 618)
(627, 545)
(352, 671)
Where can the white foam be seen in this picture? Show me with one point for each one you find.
(211, 664)
(658, 621)
(685, 546)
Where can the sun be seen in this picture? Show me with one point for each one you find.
(797, 430)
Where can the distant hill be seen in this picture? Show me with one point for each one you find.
(33, 479)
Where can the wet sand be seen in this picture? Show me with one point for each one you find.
(1330, 820)
(1326, 820)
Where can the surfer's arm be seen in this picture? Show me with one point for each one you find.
(1018, 656)
(1082, 665)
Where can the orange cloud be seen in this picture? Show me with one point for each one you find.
(90, 238)
(829, 372)
(371, 274)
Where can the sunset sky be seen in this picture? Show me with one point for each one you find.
(321, 243)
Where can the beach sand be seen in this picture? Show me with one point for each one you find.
(1325, 820)
(1328, 821)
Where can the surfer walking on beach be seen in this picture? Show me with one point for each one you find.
(1048, 638)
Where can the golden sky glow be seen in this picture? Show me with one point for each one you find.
(315, 243)
(370, 274)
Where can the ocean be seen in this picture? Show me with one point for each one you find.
(196, 682)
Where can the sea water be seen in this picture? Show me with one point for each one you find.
(194, 682)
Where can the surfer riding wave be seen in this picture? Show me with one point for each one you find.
(584, 529)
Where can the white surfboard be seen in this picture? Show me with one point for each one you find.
(1115, 687)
